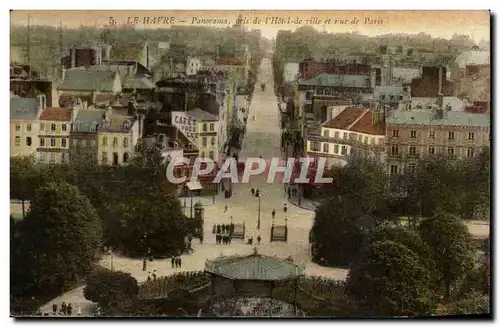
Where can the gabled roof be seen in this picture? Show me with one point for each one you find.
(253, 267)
(117, 124)
(138, 83)
(345, 118)
(365, 125)
(324, 79)
(56, 114)
(23, 108)
(86, 120)
(88, 80)
(201, 115)
(429, 117)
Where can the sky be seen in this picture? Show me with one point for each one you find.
(475, 23)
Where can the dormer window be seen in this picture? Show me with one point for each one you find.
(126, 125)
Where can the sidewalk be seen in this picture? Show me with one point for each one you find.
(306, 204)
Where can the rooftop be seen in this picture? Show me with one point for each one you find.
(471, 58)
(253, 267)
(201, 115)
(87, 120)
(359, 81)
(23, 108)
(366, 125)
(118, 124)
(345, 118)
(56, 114)
(126, 52)
(88, 80)
(451, 118)
(138, 83)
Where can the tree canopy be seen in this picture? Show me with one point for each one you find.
(106, 287)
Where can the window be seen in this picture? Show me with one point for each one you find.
(204, 126)
(451, 151)
(42, 127)
(104, 158)
(42, 141)
(75, 142)
(470, 153)
(84, 143)
(52, 141)
(336, 135)
(394, 169)
(203, 141)
(372, 140)
(336, 149)
(326, 133)
(213, 141)
(115, 142)
(125, 142)
(64, 127)
(314, 146)
(413, 134)
(115, 158)
(412, 151)
(63, 143)
(211, 155)
(451, 135)
(431, 150)
(345, 136)
(42, 158)
(360, 138)
(28, 128)
(52, 158)
(394, 150)
(18, 141)
(105, 141)
(471, 136)
(93, 143)
(18, 127)
(212, 127)
(395, 133)
(411, 167)
(28, 141)
(53, 127)
(344, 150)
(325, 147)
(432, 135)
(125, 157)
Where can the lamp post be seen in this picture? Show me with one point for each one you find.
(258, 217)
(146, 249)
(191, 211)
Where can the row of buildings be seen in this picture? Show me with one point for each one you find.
(103, 109)
(395, 114)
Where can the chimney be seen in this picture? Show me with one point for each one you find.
(373, 79)
(72, 53)
(63, 73)
(42, 102)
(440, 85)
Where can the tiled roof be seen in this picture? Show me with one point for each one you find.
(253, 267)
(23, 108)
(88, 80)
(473, 58)
(121, 69)
(138, 83)
(359, 81)
(345, 118)
(86, 120)
(126, 52)
(201, 115)
(366, 125)
(451, 118)
(56, 114)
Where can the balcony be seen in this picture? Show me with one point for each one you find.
(395, 156)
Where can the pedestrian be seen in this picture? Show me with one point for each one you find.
(217, 239)
(257, 193)
(285, 209)
(225, 208)
(253, 191)
(149, 278)
(64, 307)
(224, 239)
(231, 228)
(173, 261)
(154, 274)
(214, 229)
(259, 239)
(229, 238)
(180, 263)
(79, 311)
(201, 238)
(54, 308)
(289, 193)
(218, 229)
(273, 213)
(69, 309)
(190, 238)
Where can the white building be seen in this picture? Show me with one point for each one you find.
(193, 65)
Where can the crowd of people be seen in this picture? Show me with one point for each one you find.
(223, 233)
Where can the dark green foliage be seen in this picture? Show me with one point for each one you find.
(471, 304)
(388, 279)
(451, 245)
(59, 240)
(108, 288)
(477, 279)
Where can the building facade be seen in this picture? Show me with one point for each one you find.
(117, 138)
(411, 135)
(24, 125)
(55, 129)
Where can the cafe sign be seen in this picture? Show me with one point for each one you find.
(186, 124)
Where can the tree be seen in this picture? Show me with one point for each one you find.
(473, 303)
(107, 287)
(451, 246)
(23, 175)
(388, 279)
(61, 236)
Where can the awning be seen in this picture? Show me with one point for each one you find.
(194, 186)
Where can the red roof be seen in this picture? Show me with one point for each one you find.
(56, 114)
(345, 118)
(365, 125)
(229, 61)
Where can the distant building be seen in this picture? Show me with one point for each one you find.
(291, 71)
(24, 126)
(413, 134)
(470, 74)
(193, 66)
(55, 128)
